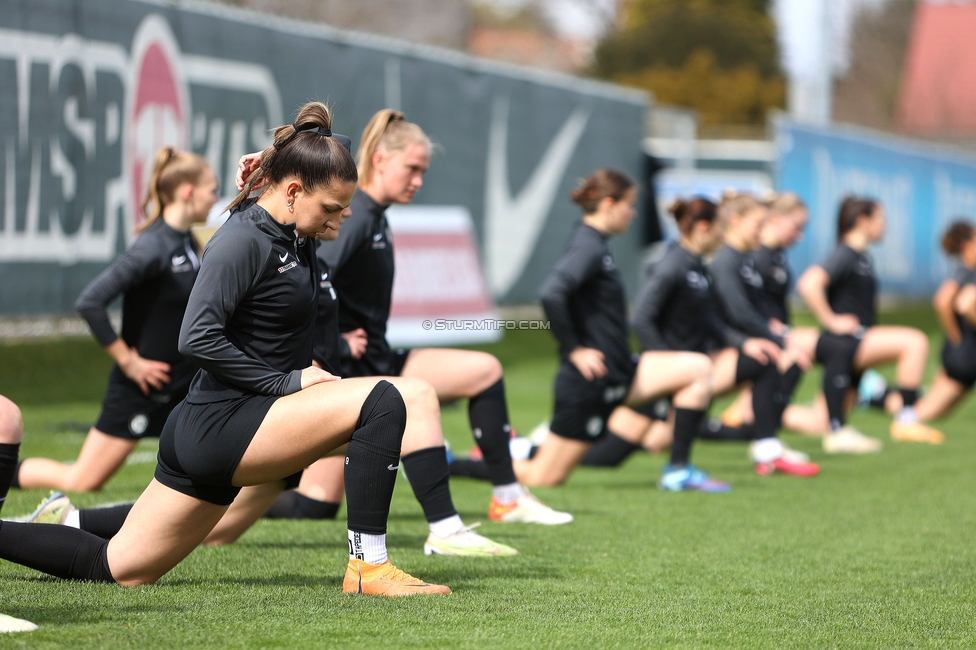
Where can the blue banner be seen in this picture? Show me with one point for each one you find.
(923, 189)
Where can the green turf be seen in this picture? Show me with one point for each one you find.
(876, 552)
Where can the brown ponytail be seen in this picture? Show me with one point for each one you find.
(306, 150)
(599, 185)
(171, 168)
(851, 209)
(689, 212)
(956, 235)
(390, 131)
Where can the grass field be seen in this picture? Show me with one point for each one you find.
(876, 552)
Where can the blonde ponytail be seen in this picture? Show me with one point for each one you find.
(171, 168)
(388, 130)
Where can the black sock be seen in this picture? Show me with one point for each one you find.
(765, 390)
(59, 551)
(908, 396)
(488, 414)
(609, 451)
(714, 429)
(879, 402)
(15, 479)
(470, 469)
(104, 522)
(372, 459)
(8, 468)
(836, 353)
(430, 479)
(686, 424)
(292, 504)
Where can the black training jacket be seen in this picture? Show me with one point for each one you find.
(361, 260)
(740, 297)
(777, 279)
(675, 309)
(250, 320)
(154, 278)
(852, 285)
(329, 346)
(586, 305)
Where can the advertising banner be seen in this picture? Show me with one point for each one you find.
(923, 188)
(90, 89)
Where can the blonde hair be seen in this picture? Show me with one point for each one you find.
(390, 131)
(306, 150)
(738, 203)
(171, 168)
(786, 202)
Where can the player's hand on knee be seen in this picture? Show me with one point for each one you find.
(313, 375)
(844, 324)
(762, 350)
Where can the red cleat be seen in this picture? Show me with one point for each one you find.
(787, 467)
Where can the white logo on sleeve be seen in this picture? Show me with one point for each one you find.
(179, 260)
(138, 424)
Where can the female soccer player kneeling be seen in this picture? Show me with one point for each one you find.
(257, 411)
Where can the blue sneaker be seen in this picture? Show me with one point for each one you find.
(871, 388)
(689, 477)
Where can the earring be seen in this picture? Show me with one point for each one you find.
(291, 205)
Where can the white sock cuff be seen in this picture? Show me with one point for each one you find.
(73, 519)
(368, 548)
(766, 450)
(509, 493)
(446, 527)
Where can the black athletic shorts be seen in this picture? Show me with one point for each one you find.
(959, 362)
(202, 444)
(361, 368)
(659, 409)
(583, 407)
(129, 414)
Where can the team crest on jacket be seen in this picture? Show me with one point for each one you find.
(696, 280)
(749, 274)
(608, 264)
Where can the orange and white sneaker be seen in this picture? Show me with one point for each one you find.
(916, 432)
(526, 510)
(385, 580)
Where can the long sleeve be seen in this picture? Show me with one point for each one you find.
(573, 269)
(354, 232)
(650, 301)
(139, 263)
(723, 332)
(232, 264)
(737, 307)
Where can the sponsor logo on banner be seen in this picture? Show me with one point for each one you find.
(83, 120)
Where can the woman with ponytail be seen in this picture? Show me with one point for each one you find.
(257, 411)
(392, 158)
(154, 277)
(842, 294)
(955, 306)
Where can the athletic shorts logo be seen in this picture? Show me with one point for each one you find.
(392, 467)
(477, 433)
(138, 424)
(614, 393)
(662, 407)
(594, 426)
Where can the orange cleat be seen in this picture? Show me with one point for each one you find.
(385, 580)
(916, 432)
(732, 415)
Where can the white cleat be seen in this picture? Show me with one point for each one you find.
(526, 510)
